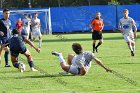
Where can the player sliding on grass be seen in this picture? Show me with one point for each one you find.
(125, 26)
(82, 61)
(17, 46)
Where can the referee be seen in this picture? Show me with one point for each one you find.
(97, 26)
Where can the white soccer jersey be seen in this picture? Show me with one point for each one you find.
(26, 22)
(26, 26)
(84, 59)
(126, 25)
(36, 23)
(36, 28)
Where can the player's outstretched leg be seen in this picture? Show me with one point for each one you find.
(56, 53)
(16, 64)
(63, 64)
(30, 60)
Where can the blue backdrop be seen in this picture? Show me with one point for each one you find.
(72, 19)
(78, 18)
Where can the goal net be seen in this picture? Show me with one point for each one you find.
(43, 14)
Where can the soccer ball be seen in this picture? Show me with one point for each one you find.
(22, 66)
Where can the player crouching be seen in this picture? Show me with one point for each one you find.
(82, 61)
(17, 46)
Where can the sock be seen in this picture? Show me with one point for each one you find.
(98, 45)
(93, 46)
(16, 65)
(61, 59)
(31, 64)
(6, 58)
(40, 43)
(130, 47)
(133, 48)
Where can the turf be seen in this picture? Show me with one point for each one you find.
(114, 53)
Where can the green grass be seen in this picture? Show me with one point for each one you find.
(113, 52)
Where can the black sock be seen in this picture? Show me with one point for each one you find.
(16, 65)
(98, 45)
(6, 58)
(93, 47)
(31, 64)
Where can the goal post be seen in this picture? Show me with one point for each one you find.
(43, 14)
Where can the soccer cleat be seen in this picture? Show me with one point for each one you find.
(56, 53)
(132, 53)
(33, 69)
(7, 66)
(21, 67)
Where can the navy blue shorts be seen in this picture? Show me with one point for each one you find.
(15, 52)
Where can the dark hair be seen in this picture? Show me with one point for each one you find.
(77, 48)
(35, 13)
(4, 10)
(25, 15)
(15, 31)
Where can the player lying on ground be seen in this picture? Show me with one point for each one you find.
(82, 61)
(17, 46)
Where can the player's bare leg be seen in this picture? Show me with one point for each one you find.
(30, 60)
(40, 41)
(63, 64)
(70, 57)
(130, 47)
(16, 64)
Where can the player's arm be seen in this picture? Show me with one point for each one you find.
(120, 27)
(102, 25)
(135, 31)
(101, 64)
(135, 28)
(91, 25)
(31, 44)
(1, 28)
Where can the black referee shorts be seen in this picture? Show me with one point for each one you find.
(97, 35)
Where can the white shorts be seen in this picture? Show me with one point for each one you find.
(73, 61)
(74, 70)
(129, 38)
(36, 33)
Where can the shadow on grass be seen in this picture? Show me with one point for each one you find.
(65, 39)
(45, 76)
(80, 39)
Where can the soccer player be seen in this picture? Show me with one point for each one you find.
(125, 26)
(5, 32)
(30, 34)
(17, 46)
(35, 23)
(19, 25)
(82, 61)
(26, 25)
(97, 26)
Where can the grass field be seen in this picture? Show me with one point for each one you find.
(114, 53)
